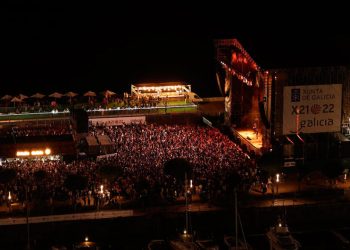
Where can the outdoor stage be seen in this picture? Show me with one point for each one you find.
(252, 140)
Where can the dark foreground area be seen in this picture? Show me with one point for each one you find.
(312, 225)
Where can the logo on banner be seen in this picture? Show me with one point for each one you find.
(295, 95)
(315, 109)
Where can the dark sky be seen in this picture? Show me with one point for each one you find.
(48, 48)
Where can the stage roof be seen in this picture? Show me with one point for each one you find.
(159, 84)
(234, 42)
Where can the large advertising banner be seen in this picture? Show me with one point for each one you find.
(312, 108)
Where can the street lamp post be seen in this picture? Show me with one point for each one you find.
(99, 198)
(9, 201)
(277, 181)
(186, 201)
(27, 218)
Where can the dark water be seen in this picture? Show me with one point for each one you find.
(135, 233)
(320, 240)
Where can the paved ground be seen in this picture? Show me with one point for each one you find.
(289, 184)
(288, 192)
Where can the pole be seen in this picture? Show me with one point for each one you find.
(242, 232)
(27, 219)
(277, 182)
(186, 202)
(236, 221)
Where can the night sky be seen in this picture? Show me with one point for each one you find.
(73, 48)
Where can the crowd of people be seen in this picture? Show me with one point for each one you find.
(141, 151)
(130, 101)
(46, 128)
(114, 101)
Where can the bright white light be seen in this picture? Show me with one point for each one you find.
(47, 151)
(9, 197)
(86, 238)
(191, 185)
(22, 153)
(277, 177)
(37, 152)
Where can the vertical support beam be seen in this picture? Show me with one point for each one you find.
(228, 98)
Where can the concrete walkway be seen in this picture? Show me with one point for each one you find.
(288, 193)
(107, 214)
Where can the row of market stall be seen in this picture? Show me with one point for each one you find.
(55, 95)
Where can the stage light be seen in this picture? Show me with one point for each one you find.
(22, 153)
(47, 151)
(37, 152)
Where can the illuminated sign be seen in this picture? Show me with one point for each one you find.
(312, 108)
(34, 152)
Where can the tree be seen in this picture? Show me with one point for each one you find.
(271, 162)
(333, 168)
(233, 183)
(7, 175)
(345, 162)
(76, 182)
(233, 180)
(141, 184)
(40, 194)
(181, 169)
(109, 172)
(40, 175)
(177, 168)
